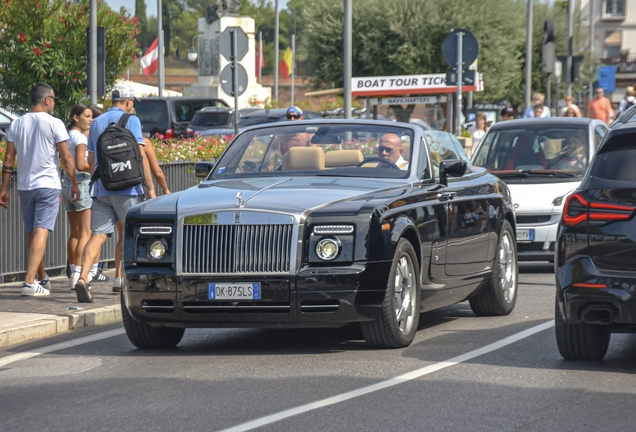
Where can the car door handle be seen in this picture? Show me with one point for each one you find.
(446, 196)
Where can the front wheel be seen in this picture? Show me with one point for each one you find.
(396, 325)
(499, 296)
(144, 336)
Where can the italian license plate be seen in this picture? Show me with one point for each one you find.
(234, 291)
(525, 235)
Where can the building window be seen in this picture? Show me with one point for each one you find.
(614, 9)
(612, 43)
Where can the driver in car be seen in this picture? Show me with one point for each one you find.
(390, 148)
(573, 156)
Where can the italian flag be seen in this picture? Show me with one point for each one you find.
(285, 67)
(150, 60)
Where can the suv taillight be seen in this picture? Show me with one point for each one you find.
(169, 133)
(577, 209)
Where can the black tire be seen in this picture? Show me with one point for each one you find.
(580, 341)
(387, 331)
(499, 295)
(145, 336)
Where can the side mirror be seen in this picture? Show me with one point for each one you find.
(203, 169)
(451, 168)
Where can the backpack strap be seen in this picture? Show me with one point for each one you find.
(123, 120)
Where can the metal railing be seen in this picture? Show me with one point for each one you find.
(13, 238)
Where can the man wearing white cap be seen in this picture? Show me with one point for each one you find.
(111, 206)
(628, 101)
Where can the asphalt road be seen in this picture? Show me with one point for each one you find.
(461, 373)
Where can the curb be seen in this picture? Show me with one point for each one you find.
(61, 323)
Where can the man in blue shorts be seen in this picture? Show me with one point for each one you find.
(39, 140)
(111, 206)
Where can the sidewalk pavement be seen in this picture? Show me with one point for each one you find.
(26, 318)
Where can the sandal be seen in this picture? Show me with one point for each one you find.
(81, 289)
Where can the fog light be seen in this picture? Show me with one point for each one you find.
(327, 249)
(157, 250)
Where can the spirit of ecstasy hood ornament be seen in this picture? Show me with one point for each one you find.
(240, 203)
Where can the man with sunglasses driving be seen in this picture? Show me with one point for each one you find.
(390, 148)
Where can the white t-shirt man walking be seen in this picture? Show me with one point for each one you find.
(37, 138)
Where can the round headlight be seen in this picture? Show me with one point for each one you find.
(327, 249)
(157, 250)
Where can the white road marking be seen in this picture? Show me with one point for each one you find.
(59, 346)
(390, 382)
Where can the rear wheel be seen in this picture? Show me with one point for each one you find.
(144, 336)
(499, 296)
(396, 325)
(580, 341)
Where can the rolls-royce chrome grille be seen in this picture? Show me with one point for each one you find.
(236, 248)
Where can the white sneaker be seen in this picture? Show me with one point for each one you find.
(116, 284)
(34, 290)
(90, 277)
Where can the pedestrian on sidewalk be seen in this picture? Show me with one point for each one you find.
(111, 206)
(157, 173)
(79, 212)
(600, 107)
(39, 140)
(537, 99)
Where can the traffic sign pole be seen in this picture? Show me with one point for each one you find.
(460, 67)
(235, 78)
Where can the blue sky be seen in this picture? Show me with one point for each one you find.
(151, 5)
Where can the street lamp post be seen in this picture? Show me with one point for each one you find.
(192, 52)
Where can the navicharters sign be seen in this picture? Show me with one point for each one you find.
(406, 84)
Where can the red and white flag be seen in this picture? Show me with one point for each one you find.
(150, 60)
(260, 60)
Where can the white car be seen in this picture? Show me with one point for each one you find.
(542, 161)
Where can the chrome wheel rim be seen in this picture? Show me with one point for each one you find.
(507, 268)
(405, 294)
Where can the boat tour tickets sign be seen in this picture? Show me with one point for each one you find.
(406, 84)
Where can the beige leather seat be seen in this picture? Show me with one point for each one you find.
(304, 158)
(343, 158)
(552, 147)
(406, 152)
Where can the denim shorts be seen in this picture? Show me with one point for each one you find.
(107, 210)
(85, 201)
(39, 208)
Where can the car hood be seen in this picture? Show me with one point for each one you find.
(293, 195)
(538, 198)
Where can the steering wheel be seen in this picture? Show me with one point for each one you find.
(378, 159)
(578, 162)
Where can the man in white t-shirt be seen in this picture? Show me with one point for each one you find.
(37, 138)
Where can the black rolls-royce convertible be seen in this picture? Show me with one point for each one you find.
(321, 223)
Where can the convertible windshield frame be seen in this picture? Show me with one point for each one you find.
(314, 148)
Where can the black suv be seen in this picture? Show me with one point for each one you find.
(171, 115)
(595, 260)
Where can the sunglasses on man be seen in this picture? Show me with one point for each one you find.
(293, 117)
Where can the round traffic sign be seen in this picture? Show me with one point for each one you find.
(470, 48)
(226, 79)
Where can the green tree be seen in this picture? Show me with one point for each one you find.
(144, 36)
(45, 41)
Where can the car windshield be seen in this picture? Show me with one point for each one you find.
(535, 149)
(344, 150)
(152, 111)
(211, 119)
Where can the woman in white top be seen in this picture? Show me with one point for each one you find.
(479, 130)
(79, 212)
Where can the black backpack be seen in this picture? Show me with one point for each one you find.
(119, 161)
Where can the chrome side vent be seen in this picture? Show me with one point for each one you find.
(161, 306)
(314, 306)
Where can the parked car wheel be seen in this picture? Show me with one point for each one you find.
(499, 296)
(396, 325)
(580, 341)
(143, 335)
